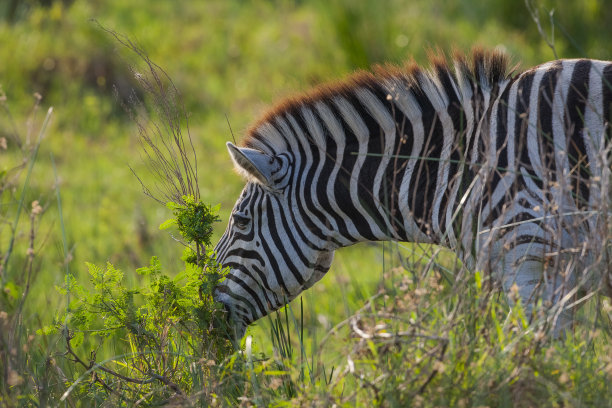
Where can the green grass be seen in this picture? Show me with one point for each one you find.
(235, 58)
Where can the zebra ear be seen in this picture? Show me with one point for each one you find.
(253, 163)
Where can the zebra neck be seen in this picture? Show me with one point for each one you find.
(384, 157)
(410, 162)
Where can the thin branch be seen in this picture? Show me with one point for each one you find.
(164, 136)
(535, 15)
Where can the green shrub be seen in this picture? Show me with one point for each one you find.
(170, 334)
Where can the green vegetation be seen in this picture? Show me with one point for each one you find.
(170, 333)
(400, 334)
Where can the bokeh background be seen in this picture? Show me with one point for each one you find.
(229, 59)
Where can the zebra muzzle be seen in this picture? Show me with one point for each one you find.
(226, 321)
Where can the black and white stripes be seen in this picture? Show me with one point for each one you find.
(504, 170)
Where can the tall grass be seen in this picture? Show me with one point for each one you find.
(20, 248)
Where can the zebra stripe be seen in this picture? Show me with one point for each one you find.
(502, 169)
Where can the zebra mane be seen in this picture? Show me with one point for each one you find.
(481, 70)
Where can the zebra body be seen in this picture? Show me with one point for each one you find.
(506, 170)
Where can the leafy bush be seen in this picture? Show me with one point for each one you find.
(170, 333)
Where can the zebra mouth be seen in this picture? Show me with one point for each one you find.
(233, 325)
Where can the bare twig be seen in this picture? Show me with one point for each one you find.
(535, 15)
(168, 153)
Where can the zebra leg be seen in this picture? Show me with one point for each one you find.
(544, 281)
(530, 271)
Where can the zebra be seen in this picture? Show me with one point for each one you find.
(509, 169)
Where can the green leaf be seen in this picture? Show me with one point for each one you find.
(153, 269)
(46, 330)
(276, 372)
(77, 340)
(174, 206)
(167, 224)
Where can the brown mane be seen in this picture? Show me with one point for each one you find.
(481, 65)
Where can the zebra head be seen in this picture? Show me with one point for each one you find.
(272, 252)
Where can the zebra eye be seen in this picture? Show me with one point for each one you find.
(240, 220)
